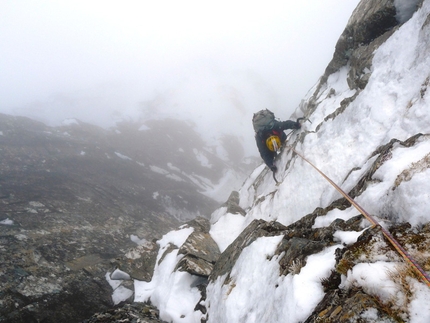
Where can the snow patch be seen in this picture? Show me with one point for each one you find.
(174, 293)
(123, 156)
(120, 293)
(158, 170)
(143, 128)
(347, 237)
(119, 275)
(405, 9)
(226, 229)
(139, 241)
(6, 221)
(204, 161)
(69, 122)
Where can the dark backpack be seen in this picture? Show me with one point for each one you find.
(263, 120)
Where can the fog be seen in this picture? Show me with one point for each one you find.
(214, 62)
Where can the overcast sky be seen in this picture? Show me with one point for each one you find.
(96, 60)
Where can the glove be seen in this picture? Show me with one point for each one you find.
(298, 125)
(300, 121)
(273, 168)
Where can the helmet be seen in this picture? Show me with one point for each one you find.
(273, 143)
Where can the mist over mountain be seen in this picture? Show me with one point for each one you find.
(211, 63)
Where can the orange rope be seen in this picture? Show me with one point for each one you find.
(425, 277)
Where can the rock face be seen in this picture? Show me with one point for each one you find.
(371, 24)
(133, 313)
(369, 21)
(200, 252)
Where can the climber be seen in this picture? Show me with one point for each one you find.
(269, 135)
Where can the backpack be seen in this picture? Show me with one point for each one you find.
(263, 120)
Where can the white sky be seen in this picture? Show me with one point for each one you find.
(87, 59)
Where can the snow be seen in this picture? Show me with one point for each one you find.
(120, 293)
(36, 204)
(6, 221)
(220, 191)
(144, 127)
(373, 278)
(159, 170)
(226, 229)
(119, 275)
(122, 156)
(173, 292)
(347, 237)
(394, 104)
(175, 177)
(204, 161)
(405, 9)
(69, 122)
(256, 292)
(138, 241)
(323, 221)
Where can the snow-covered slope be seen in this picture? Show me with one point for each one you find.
(369, 131)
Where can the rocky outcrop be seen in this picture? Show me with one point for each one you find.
(369, 26)
(200, 252)
(299, 241)
(348, 305)
(342, 307)
(133, 313)
(139, 262)
(369, 21)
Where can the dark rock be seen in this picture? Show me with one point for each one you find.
(133, 313)
(69, 299)
(200, 250)
(139, 262)
(347, 307)
(200, 254)
(370, 20)
(296, 250)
